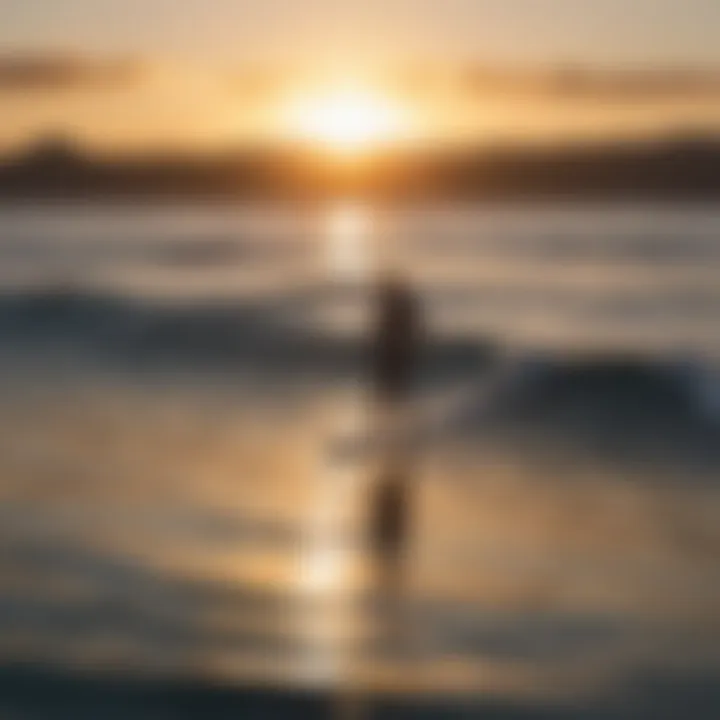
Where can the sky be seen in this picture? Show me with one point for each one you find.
(654, 31)
(196, 71)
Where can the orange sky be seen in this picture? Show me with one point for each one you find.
(110, 105)
(192, 73)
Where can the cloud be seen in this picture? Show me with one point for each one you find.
(591, 84)
(258, 83)
(29, 73)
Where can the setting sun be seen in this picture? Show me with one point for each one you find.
(347, 120)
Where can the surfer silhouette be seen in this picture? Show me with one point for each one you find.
(394, 364)
(396, 341)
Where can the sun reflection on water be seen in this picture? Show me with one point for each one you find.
(348, 233)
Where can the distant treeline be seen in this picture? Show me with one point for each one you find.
(680, 168)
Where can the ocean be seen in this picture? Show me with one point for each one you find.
(175, 381)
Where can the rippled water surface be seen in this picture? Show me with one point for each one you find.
(174, 382)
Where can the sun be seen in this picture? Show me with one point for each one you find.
(347, 120)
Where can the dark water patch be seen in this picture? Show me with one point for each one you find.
(608, 407)
(205, 336)
(38, 692)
